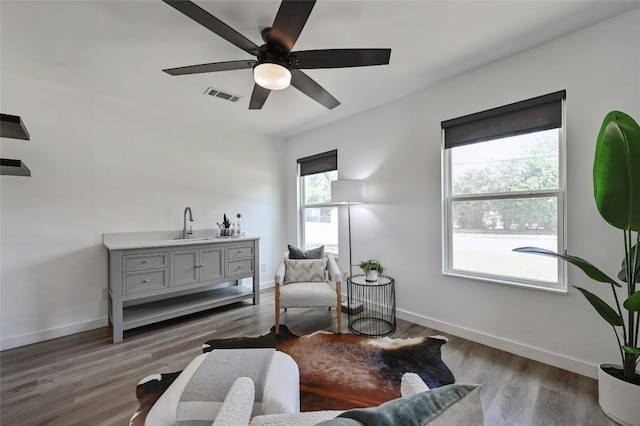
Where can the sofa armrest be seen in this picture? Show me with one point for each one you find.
(280, 273)
(295, 419)
(334, 271)
(238, 404)
(411, 384)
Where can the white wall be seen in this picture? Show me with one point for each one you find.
(103, 165)
(396, 148)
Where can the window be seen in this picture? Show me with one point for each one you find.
(504, 187)
(318, 216)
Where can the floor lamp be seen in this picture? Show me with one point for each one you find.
(348, 192)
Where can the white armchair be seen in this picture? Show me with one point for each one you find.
(306, 283)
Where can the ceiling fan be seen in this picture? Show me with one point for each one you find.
(276, 66)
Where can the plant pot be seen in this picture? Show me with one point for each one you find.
(372, 276)
(618, 399)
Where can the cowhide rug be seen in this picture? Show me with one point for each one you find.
(337, 371)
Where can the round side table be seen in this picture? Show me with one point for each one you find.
(371, 305)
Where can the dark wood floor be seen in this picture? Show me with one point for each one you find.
(84, 379)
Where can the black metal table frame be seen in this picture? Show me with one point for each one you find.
(371, 306)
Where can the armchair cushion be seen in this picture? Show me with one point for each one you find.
(297, 253)
(305, 270)
(308, 295)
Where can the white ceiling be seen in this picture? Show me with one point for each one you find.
(118, 48)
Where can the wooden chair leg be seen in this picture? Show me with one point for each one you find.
(277, 309)
(339, 313)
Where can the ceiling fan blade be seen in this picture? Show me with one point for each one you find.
(258, 97)
(309, 87)
(212, 67)
(289, 22)
(338, 58)
(209, 21)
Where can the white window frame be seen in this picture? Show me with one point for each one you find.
(448, 198)
(302, 206)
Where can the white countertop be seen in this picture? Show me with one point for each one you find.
(151, 239)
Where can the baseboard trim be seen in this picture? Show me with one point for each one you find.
(536, 354)
(52, 333)
(267, 285)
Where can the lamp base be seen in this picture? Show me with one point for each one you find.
(355, 308)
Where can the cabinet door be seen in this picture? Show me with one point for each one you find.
(212, 263)
(184, 267)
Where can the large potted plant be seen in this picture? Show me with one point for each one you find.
(616, 188)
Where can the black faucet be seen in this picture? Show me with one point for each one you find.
(186, 233)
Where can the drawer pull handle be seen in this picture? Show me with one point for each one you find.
(145, 261)
(145, 281)
(240, 251)
(239, 266)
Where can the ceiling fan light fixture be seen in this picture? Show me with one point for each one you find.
(272, 76)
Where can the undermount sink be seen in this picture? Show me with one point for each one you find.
(192, 239)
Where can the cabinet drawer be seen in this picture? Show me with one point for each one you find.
(134, 262)
(234, 252)
(140, 282)
(240, 267)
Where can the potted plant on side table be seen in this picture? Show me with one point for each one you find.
(372, 269)
(616, 184)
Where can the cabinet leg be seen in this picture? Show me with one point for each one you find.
(117, 320)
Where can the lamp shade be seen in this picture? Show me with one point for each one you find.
(348, 191)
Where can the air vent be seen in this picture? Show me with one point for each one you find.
(226, 96)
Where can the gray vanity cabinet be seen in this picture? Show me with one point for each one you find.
(157, 280)
(193, 266)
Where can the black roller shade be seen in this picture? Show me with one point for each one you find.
(319, 163)
(532, 115)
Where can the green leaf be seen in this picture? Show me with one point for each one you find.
(631, 350)
(622, 275)
(605, 311)
(633, 302)
(616, 171)
(590, 270)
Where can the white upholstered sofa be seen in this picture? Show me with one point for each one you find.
(450, 405)
(280, 393)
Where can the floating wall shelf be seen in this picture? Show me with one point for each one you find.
(11, 126)
(13, 168)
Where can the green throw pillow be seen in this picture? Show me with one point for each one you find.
(297, 253)
(455, 404)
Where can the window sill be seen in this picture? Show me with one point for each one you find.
(531, 285)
